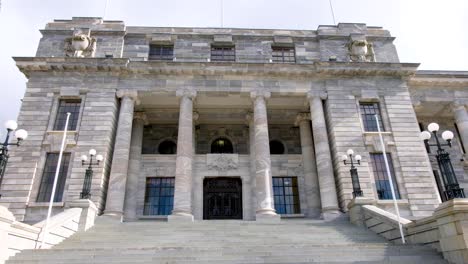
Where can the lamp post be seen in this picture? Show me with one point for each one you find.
(86, 192)
(354, 174)
(452, 189)
(20, 135)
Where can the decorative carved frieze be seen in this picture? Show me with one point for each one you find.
(222, 162)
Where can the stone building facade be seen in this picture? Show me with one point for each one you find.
(218, 123)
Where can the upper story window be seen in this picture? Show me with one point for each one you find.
(368, 112)
(223, 53)
(67, 106)
(161, 52)
(48, 175)
(382, 182)
(276, 147)
(222, 145)
(283, 54)
(167, 147)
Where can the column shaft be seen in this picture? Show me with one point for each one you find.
(119, 168)
(461, 119)
(263, 180)
(183, 174)
(134, 167)
(312, 192)
(328, 195)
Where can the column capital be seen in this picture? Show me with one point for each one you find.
(301, 117)
(132, 94)
(140, 116)
(249, 117)
(260, 93)
(458, 105)
(186, 92)
(195, 116)
(317, 94)
(417, 104)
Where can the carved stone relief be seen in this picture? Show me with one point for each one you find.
(360, 50)
(222, 162)
(81, 44)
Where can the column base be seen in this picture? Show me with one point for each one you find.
(332, 215)
(114, 215)
(268, 218)
(180, 218)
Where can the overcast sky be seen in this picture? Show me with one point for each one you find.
(431, 32)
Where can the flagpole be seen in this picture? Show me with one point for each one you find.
(57, 171)
(390, 178)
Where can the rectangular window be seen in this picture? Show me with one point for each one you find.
(286, 195)
(159, 196)
(283, 54)
(161, 52)
(223, 53)
(67, 106)
(47, 182)
(382, 181)
(368, 112)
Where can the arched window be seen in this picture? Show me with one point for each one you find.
(276, 147)
(221, 145)
(167, 147)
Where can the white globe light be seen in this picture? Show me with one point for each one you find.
(350, 152)
(447, 135)
(358, 157)
(92, 152)
(433, 127)
(344, 157)
(99, 157)
(84, 158)
(425, 135)
(21, 134)
(11, 124)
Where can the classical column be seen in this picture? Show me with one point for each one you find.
(183, 175)
(264, 189)
(461, 119)
(139, 120)
(328, 195)
(119, 168)
(251, 183)
(312, 192)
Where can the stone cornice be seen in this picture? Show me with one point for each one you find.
(27, 65)
(440, 78)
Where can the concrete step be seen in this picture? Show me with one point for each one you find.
(295, 241)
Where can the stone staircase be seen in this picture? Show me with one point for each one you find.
(220, 242)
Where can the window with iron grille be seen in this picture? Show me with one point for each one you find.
(283, 54)
(382, 182)
(67, 106)
(223, 53)
(368, 112)
(286, 195)
(159, 196)
(161, 52)
(48, 175)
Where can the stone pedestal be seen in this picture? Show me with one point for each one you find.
(328, 195)
(183, 175)
(356, 214)
(119, 169)
(452, 219)
(139, 120)
(310, 167)
(6, 219)
(88, 213)
(263, 179)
